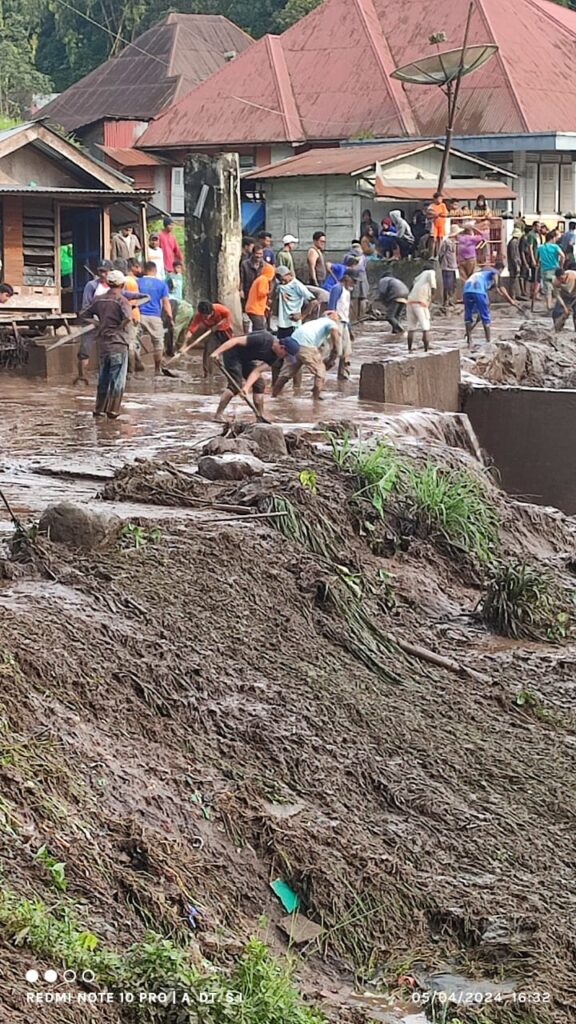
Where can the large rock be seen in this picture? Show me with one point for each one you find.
(77, 527)
(268, 437)
(230, 466)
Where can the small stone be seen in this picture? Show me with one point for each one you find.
(230, 466)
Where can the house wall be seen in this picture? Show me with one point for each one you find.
(122, 134)
(427, 165)
(28, 164)
(301, 206)
(546, 183)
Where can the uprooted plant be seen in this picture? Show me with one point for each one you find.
(522, 600)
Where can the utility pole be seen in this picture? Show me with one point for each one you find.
(452, 91)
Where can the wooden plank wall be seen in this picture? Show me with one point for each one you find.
(13, 248)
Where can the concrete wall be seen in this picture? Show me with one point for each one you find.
(422, 380)
(530, 433)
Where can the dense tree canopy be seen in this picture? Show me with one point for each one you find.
(46, 45)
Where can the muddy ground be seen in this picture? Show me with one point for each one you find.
(195, 688)
(185, 717)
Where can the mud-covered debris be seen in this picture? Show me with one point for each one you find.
(269, 439)
(300, 930)
(230, 466)
(227, 445)
(77, 527)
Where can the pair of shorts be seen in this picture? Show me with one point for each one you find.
(476, 303)
(86, 344)
(417, 317)
(240, 370)
(449, 280)
(154, 328)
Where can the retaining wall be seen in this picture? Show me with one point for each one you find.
(530, 433)
(425, 380)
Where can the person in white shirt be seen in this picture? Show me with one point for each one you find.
(320, 343)
(155, 255)
(339, 301)
(418, 307)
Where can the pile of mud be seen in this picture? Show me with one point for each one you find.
(534, 356)
(188, 716)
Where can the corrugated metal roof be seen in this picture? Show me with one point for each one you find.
(41, 190)
(469, 189)
(132, 157)
(340, 84)
(152, 72)
(354, 159)
(339, 159)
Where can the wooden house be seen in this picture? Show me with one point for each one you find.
(327, 189)
(54, 194)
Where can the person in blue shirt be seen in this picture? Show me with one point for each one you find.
(151, 312)
(477, 302)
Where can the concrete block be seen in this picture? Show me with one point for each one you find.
(425, 380)
(529, 433)
(60, 362)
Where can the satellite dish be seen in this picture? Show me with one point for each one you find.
(444, 68)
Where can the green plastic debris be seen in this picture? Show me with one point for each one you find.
(288, 898)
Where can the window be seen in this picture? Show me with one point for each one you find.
(177, 198)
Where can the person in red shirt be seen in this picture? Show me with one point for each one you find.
(170, 249)
(214, 317)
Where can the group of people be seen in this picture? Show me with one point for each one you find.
(294, 323)
(397, 238)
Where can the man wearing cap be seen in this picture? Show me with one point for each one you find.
(94, 289)
(171, 251)
(285, 257)
(319, 343)
(156, 254)
(246, 358)
(114, 315)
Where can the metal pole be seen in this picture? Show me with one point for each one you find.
(453, 103)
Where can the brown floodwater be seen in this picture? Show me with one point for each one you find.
(49, 425)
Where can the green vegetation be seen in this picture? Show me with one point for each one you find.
(134, 536)
(309, 479)
(55, 868)
(521, 600)
(257, 990)
(451, 503)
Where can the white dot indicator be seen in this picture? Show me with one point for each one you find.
(32, 977)
(88, 977)
(50, 976)
(69, 976)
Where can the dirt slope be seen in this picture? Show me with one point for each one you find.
(190, 691)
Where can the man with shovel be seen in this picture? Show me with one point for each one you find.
(244, 361)
(215, 319)
(565, 293)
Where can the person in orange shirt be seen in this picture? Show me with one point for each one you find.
(211, 316)
(258, 301)
(438, 212)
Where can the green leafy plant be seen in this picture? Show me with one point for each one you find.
(309, 479)
(455, 504)
(522, 600)
(258, 990)
(55, 868)
(134, 536)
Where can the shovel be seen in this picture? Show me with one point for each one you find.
(238, 391)
(183, 350)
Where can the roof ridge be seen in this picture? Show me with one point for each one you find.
(290, 113)
(550, 15)
(499, 58)
(384, 58)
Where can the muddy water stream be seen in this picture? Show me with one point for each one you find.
(49, 426)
